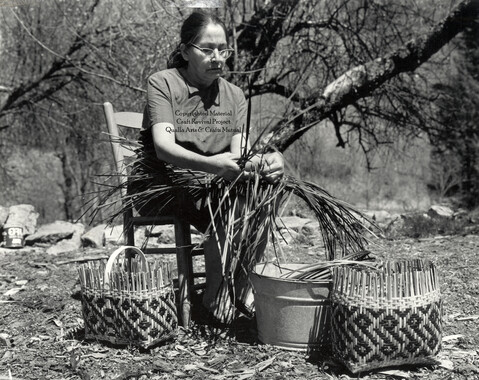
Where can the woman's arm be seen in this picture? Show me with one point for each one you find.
(223, 164)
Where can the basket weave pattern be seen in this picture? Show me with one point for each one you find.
(386, 318)
(121, 307)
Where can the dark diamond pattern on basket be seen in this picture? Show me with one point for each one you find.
(154, 303)
(154, 332)
(144, 325)
(125, 305)
(134, 315)
(362, 349)
(93, 320)
(389, 323)
(114, 319)
(100, 302)
(383, 334)
(109, 313)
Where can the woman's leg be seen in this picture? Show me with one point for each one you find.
(246, 244)
(216, 297)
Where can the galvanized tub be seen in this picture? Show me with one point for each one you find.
(291, 314)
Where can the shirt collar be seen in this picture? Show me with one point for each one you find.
(192, 90)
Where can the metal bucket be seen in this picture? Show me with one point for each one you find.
(291, 314)
(13, 237)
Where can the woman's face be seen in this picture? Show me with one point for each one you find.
(202, 69)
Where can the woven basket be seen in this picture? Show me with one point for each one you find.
(121, 306)
(386, 317)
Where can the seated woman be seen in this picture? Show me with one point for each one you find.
(195, 120)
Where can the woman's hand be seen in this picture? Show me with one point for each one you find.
(225, 165)
(273, 167)
(270, 166)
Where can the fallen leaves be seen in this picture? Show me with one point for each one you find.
(468, 318)
(20, 286)
(160, 365)
(446, 363)
(396, 373)
(451, 337)
(33, 346)
(83, 259)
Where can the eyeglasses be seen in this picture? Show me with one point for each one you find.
(225, 53)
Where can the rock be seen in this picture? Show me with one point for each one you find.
(4, 340)
(68, 245)
(3, 215)
(114, 235)
(52, 233)
(293, 223)
(197, 238)
(380, 216)
(288, 236)
(24, 216)
(158, 236)
(395, 227)
(158, 231)
(413, 225)
(36, 177)
(440, 211)
(165, 234)
(95, 237)
(310, 228)
(474, 215)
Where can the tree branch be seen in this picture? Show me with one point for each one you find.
(5, 89)
(62, 61)
(362, 80)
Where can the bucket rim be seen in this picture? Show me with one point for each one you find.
(289, 280)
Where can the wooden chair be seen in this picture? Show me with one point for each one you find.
(183, 248)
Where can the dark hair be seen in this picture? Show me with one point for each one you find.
(190, 31)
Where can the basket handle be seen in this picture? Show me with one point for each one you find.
(115, 254)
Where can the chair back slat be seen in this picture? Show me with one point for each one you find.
(129, 119)
(115, 122)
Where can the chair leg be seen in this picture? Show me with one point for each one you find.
(128, 228)
(185, 270)
(129, 232)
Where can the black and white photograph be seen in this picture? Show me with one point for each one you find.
(239, 189)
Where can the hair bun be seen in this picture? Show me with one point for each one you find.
(176, 60)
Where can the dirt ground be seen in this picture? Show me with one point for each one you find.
(41, 335)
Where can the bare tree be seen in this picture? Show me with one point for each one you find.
(351, 62)
(366, 66)
(60, 61)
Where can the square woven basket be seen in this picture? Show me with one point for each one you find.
(386, 317)
(128, 302)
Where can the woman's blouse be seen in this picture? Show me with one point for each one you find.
(204, 120)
